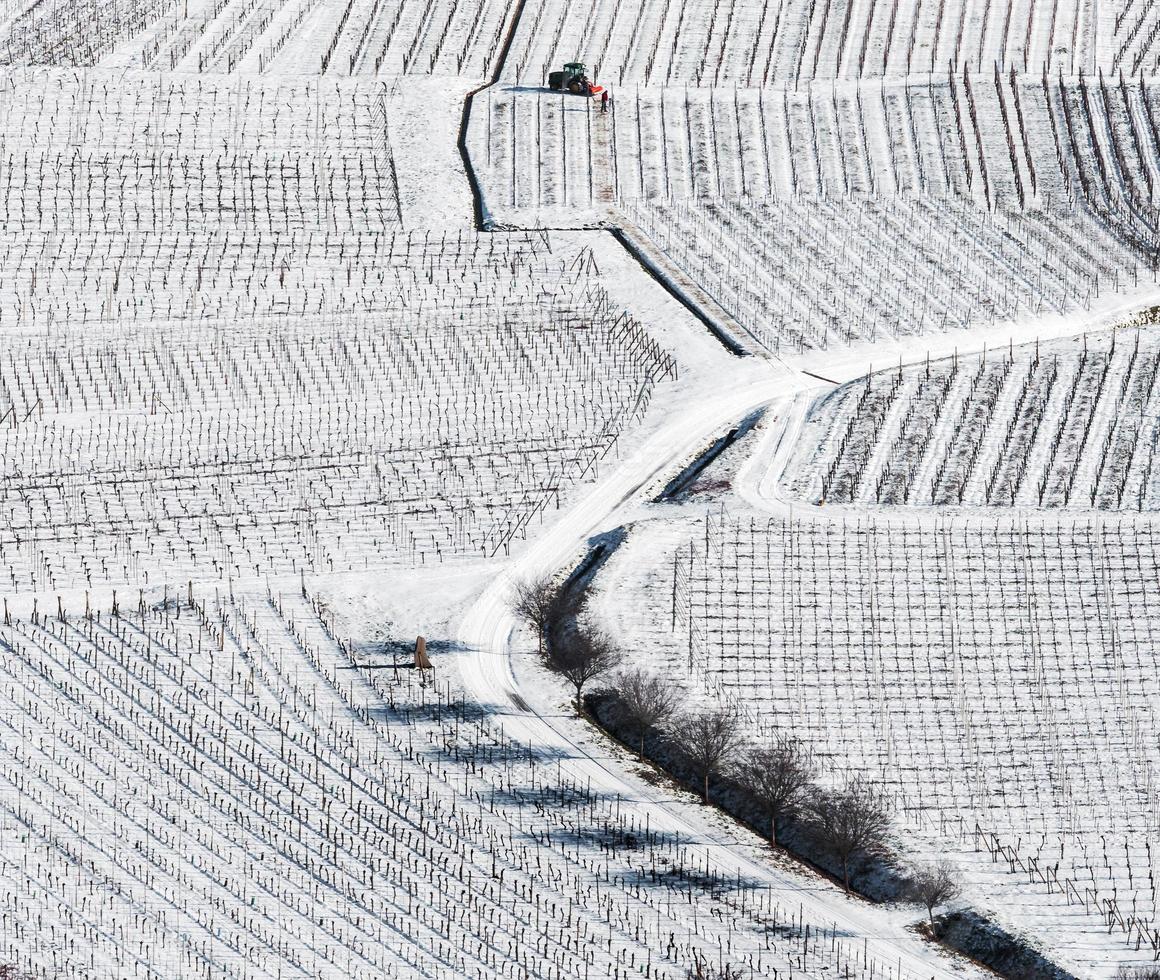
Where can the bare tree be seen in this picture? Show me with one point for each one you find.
(708, 740)
(934, 885)
(852, 821)
(536, 603)
(648, 700)
(547, 608)
(778, 775)
(580, 656)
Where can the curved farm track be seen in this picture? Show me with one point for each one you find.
(496, 673)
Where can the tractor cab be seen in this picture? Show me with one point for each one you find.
(574, 78)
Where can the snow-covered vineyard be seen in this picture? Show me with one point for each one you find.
(343, 37)
(309, 483)
(150, 153)
(1060, 425)
(941, 202)
(224, 788)
(314, 339)
(997, 676)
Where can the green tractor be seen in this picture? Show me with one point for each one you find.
(574, 78)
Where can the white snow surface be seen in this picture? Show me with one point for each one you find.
(271, 406)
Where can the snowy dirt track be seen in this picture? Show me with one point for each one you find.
(488, 631)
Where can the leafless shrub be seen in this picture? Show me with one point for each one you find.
(647, 700)
(852, 821)
(934, 885)
(708, 740)
(1126, 972)
(537, 603)
(778, 775)
(579, 656)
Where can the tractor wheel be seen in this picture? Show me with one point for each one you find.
(574, 87)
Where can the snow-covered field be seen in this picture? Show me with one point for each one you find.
(285, 37)
(313, 339)
(1060, 424)
(227, 788)
(998, 676)
(840, 211)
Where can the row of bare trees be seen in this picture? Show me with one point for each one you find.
(779, 773)
(852, 820)
(572, 649)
